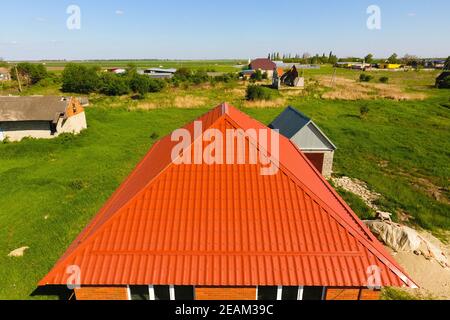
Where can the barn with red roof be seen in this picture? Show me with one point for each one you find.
(180, 231)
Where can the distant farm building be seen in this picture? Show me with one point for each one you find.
(435, 64)
(117, 70)
(302, 131)
(353, 65)
(390, 66)
(264, 65)
(39, 117)
(158, 73)
(4, 74)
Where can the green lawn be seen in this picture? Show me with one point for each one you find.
(49, 190)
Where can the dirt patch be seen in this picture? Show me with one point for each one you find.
(277, 103)
(424, 184)
(348, 89)
(430, 276)
(188, 102)
(146, 106)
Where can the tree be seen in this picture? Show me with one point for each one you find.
(80, 79)
(369, 58)
(447, 64)
(114, 85)
(30, 73)
(393, 59)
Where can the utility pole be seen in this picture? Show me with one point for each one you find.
(18, 78)
(333, 78)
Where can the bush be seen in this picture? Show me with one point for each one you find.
(384, 79)
(139, 84)
(444, 83)
(259, 93)
(365, 77)
(114, 85)
(364, 110)
(155, 85)
(77, 78)
(257, 76)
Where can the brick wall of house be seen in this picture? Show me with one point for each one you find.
(328, 159)
(102, 293)
(367, 294)
(352, 294)
(215, 293)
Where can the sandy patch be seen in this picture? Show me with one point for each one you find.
(277, 103)
(348, 89)
(146, 106)
(431, 277)
(189, 102)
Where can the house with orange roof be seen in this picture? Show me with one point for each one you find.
(211, 230)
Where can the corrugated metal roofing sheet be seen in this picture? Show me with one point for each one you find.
(226, 225)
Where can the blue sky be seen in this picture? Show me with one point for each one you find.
(216, 29)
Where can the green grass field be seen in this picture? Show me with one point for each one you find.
(49, 190)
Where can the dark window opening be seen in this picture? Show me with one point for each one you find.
(267, 293)
(162, 292)
(139, 293)
(289, 293)
(184, 293)
(313, 293)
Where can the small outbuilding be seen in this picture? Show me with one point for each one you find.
(40, 117)
(4, 74)
(304, 133)
(264, 65)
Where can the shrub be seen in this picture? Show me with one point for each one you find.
(365, 77)
(139, 84)
(364, 110)
(155, 85)
(444, 83)
(114, 85)
(255, 92)
(257, 76)
(384, 79)
(80, 79)
(265, 76)
(200, 76)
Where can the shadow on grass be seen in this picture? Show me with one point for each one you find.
(53, 292)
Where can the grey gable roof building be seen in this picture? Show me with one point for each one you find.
(296, 126)
(33, 108)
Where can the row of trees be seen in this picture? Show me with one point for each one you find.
(306, 58)
(83, 79)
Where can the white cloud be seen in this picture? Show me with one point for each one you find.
(120, 12)
(412, 14)
(40, 19)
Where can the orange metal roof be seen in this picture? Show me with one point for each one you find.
(226, 225)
